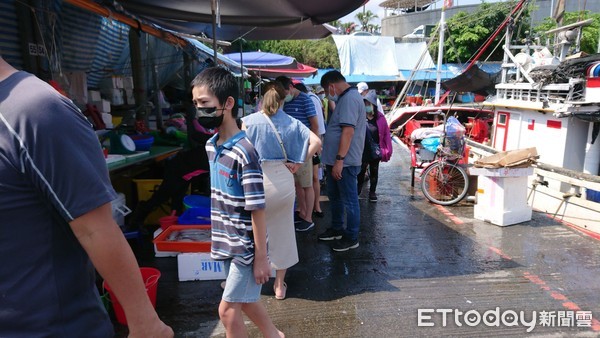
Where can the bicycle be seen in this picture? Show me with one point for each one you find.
(444, 181)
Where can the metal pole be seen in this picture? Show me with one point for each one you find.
(214, 29)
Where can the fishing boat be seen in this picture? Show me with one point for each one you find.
(547, 97)
(551, 101)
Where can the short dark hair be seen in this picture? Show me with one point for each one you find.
(285, 81)
(221, 83)
(332, 76)
(301, 87)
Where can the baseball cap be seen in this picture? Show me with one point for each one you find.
(362, 86)
(319, 90)
(371, 97)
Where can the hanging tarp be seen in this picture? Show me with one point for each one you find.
(90, 43)
(409, 53)
(366, 55)
(474, 80)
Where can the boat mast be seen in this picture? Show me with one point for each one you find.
(440, 59)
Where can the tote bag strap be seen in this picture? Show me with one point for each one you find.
(276, 134)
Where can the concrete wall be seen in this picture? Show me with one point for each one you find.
(400, 25)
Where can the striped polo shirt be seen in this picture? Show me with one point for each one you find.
(236, 182)
(300, 108)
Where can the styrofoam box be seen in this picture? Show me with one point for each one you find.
(502, 172)
(94, 96)
(128, 82)
(199, 266)
(102, 105)
(502, 200)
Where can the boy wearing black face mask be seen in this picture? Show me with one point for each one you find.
(237, 201)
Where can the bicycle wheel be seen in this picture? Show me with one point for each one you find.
(444, 183)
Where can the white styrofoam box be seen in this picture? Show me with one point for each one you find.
(129, 97)
(94, 96)
(119, 209)
(102, 105)
(116, 81)
(502, 200)
(116, 97)
(128, 82)
(199, 266)
(501, 172)
(158, 253)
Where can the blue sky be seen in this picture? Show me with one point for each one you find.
(373, 5)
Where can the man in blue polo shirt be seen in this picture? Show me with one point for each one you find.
(299, 106)
(56, 219)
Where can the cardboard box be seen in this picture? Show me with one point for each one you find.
(199, 266)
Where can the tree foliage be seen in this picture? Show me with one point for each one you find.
(589, 36)
(365, 17)
(316, 53)
(466, 33)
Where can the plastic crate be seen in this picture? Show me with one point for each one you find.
(163, 244)
(145, 189)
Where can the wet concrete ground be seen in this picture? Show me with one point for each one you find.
(413, 255)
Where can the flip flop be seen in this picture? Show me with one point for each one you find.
(280, 296)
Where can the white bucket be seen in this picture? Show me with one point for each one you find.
(120, 210)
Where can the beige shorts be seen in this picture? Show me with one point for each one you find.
(304, 175)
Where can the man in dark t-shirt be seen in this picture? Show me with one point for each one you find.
(55, 219)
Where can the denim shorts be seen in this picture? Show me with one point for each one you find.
(241, 286)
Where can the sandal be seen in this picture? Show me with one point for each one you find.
(280, 295)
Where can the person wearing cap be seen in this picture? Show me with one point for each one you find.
(342, 154)
(377, 132)
(363, 89)
(299, 106)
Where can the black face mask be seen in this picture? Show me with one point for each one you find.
(207, 117)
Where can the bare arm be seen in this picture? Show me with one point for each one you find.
(314, 124)
(110, 253)
(345, 140)
(262, 268)
(314, 145)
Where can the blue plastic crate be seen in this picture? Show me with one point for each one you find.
(199, 215)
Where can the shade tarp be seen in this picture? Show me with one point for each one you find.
(366, 55)
(297, 31)
(260, 13)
